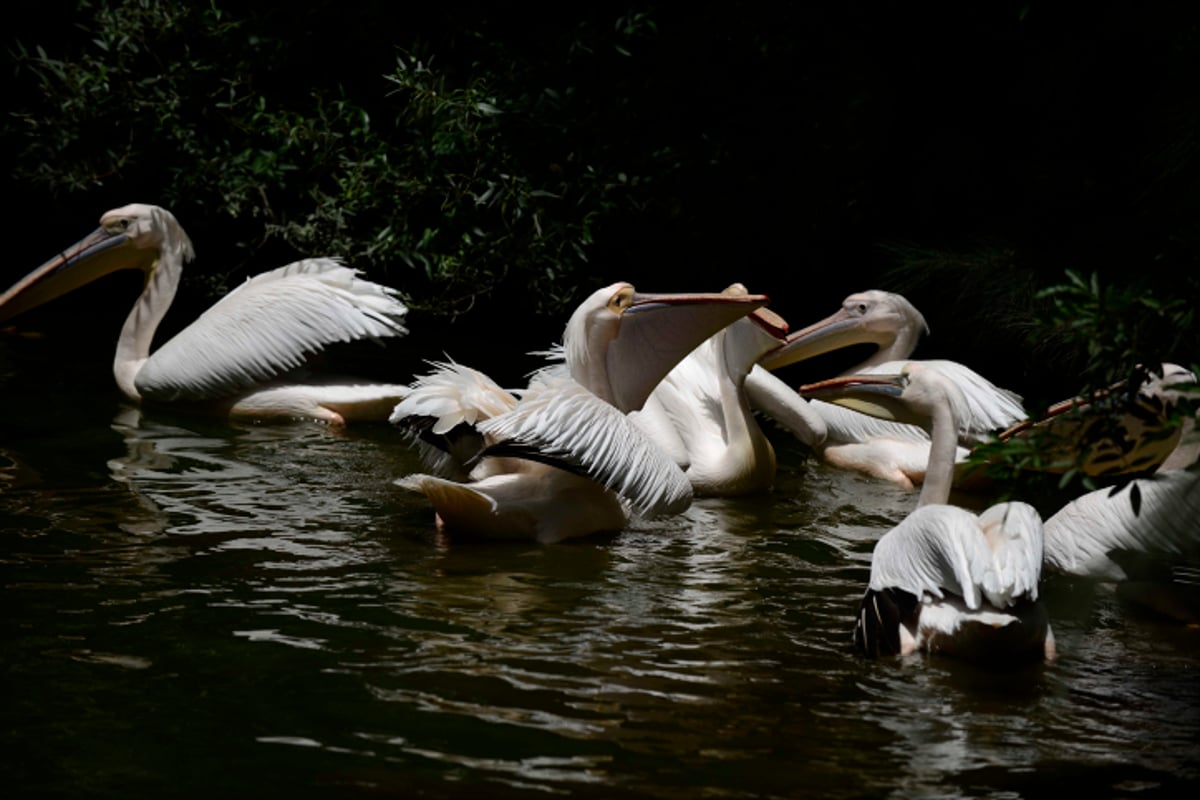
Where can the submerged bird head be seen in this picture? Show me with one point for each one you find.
(874, 317)
(620, 343)
(135, 236)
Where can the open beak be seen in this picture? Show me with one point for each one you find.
(88, 259)
(832, 333)
(659, 330)
(875, 395)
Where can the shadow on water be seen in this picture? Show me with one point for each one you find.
(196, 607)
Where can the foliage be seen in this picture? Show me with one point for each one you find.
(447, 178)
(1119, 327)
(1124, 332)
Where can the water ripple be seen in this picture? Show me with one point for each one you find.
(264, 599)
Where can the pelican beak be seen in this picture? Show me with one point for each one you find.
(832, 333)
(658, 331)
(747, 339)
(874, 395)
(90, 258)
(769, 323)
(761, 331)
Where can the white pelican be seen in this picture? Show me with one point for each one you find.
(946, 580)
(564, 460)
(885, 449)
(701, 415)
(245, 356)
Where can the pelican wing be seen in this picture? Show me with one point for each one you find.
(1016, 536)
(942, 548)
(453, 394)
(846, 426)
(441, 412)
(989, 408)
(564, 421)
(1165, 521)
(267, 326)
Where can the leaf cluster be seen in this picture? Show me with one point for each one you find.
(1119, 326)
(449, 178)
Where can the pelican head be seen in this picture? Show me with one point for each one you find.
(620, 343)
(135, 236)
(912, 396)
(874, 317)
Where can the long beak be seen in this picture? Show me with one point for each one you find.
(659, 330)
(90, 258)
(832, 333)
(769, 323)
(875, 395)
(747, 339)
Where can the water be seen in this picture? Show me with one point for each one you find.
(198, 608)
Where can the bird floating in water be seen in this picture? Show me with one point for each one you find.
(945, 580)
(561, 459)
(247, 355)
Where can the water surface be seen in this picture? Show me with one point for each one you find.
(198, 608)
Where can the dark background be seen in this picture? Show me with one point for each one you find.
(962, 154)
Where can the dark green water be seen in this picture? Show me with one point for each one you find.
(194, 608)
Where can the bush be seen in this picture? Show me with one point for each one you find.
(448, 176)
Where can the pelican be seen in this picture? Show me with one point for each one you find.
(246, 355)
(561, 458)
(700, 413)
(945, 580)
(885, 449)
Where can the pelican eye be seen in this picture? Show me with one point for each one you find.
(622, 300)
(117, 225)
(856, 309)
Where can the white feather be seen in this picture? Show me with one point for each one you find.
(942, 548)
(453, 394)
(563, 419)
(268, 326)
(1081, 537)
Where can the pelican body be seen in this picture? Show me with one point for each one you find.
(561, 459)
(945, 580)
(247, 355)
